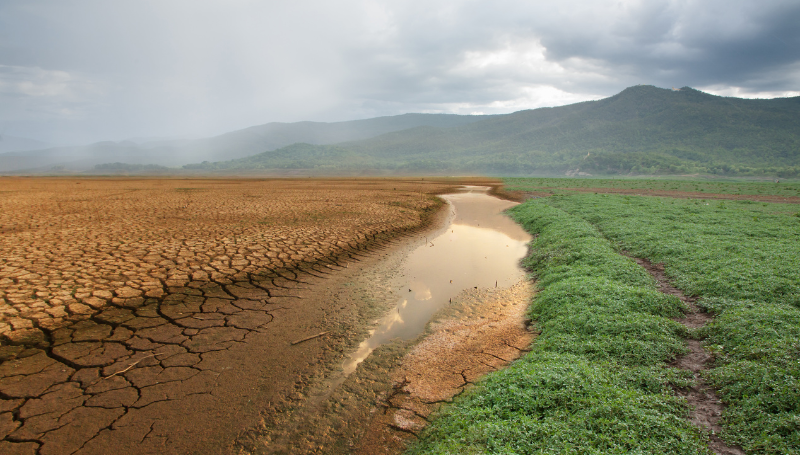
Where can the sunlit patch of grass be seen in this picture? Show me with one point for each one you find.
(562, 403)
(742, 259)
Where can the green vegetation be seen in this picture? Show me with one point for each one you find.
(642, 130)
(743, 259)
(596, 380)
(737, 187)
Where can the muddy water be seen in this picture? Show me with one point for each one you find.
(479, 248)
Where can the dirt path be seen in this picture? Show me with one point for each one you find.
(706, 406)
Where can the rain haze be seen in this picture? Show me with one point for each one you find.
(85, 71)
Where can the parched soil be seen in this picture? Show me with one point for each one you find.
(157, 316)
(522, 195)
(706, 406)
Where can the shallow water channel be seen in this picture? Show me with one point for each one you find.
(479, 248)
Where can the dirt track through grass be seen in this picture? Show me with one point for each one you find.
(740, 261)
(706, 407)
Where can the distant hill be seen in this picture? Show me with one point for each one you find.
(16, 144)
(643, 129)
(236, 144)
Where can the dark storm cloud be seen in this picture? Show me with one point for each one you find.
(750, 43)
(603, 46)
(91, 69)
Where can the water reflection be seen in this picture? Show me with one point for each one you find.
(480, 248)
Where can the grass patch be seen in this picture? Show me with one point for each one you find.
(742, 259)
(728, 186)
(757, 346)
(596, 380)
(561, 403)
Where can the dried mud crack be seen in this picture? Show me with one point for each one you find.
(706, 407)
(155, 316)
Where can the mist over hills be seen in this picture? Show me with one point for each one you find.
(16, 144)
(236, 144)
(643, 130)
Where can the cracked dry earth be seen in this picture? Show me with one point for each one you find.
(155, 316)
(706, 406)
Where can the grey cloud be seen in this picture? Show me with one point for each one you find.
(151, 68)
(713, 42)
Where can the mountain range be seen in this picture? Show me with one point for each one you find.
(641, 130)
(236, 144)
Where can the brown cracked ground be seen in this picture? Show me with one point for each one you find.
(156, 316)
(706, 407)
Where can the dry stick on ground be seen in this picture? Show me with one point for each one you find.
(308, 338)
(129, 366)
(707, 407)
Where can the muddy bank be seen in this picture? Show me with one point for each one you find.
(483, 331)
(382, 393)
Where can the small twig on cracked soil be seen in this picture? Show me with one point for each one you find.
(309, 338)
(706, 406)
(129, 367)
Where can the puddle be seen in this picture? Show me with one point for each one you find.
(480, 248)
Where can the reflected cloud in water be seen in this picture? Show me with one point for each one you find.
(480, 248)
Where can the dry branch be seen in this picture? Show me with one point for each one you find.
(129, 366)
(308, 338)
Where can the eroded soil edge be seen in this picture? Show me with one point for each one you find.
(482, 331)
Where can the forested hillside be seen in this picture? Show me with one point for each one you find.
(642, 130)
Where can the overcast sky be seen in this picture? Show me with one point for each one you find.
(82, 71)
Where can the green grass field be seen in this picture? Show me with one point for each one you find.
(716, 186)
(597, 379)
